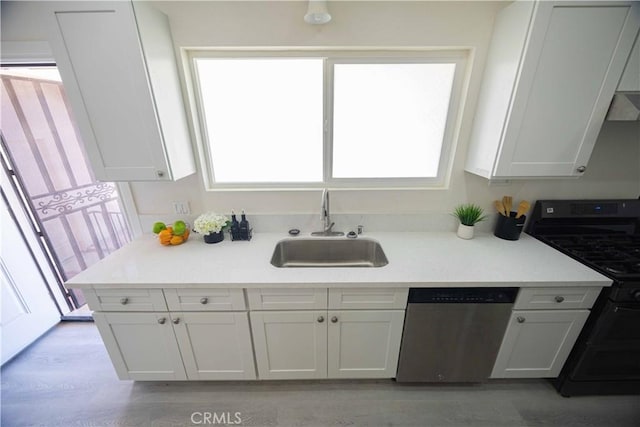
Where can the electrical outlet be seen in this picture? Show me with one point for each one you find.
(181, 208)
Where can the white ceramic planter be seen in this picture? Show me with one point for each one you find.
(465, 231)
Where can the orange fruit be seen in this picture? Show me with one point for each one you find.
(165, 237)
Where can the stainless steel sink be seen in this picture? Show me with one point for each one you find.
(336, 252)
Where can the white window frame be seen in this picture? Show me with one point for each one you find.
(331, 57)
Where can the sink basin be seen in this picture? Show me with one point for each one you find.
(317, 252)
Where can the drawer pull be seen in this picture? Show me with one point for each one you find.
(520, 319)
(162, 320)
(204, 300)
(320, 319)
(176, 320)
(124, 301)
(559, 298)
(334, 319)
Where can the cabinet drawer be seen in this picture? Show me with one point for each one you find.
(368, 298)
(205, 299)
(287, 299)
(556, 298)
(125, 299)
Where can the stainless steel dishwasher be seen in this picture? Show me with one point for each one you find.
(453, 334)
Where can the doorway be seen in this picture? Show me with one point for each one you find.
(78, 219)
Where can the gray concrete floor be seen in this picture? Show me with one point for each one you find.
(66, 379)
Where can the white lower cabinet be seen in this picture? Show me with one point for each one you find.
(364, 344)
(215, 346)
(142, 346)
(155, 344)
(178, 346)
(290, 344)
(537, 343)
(327, 344)
(206, 334)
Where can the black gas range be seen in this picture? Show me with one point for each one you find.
(604, 235)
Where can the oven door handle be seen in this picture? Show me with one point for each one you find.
(618, 308)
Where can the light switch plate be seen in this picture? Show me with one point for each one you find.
(181, 208)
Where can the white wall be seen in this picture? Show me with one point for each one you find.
(614, 170)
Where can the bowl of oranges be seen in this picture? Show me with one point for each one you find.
(171, 235)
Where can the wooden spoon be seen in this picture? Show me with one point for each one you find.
(500, 207)
(507, 201)
(523, 208)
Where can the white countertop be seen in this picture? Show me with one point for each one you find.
(415, 260)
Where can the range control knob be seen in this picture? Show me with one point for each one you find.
(636, 294)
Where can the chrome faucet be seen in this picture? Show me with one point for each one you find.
(326, 218)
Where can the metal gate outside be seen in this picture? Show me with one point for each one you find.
(78, 219)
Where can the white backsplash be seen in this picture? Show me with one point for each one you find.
(307, 223)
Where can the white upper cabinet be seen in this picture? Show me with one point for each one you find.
(550, 76)
(119, 70)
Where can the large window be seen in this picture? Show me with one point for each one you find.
(341, 119)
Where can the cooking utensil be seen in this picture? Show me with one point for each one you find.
(523, 208)
(500, 207)
(507, 201)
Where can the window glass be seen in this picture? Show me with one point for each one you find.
(313, 119)
(389, 119)
(263, 118)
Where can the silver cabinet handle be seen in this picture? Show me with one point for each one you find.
(204, 300)
(334, 319)
(320, 319)
(581, 169)
(176, 320)
(160, 174)
(124, 301)
(520, 319)
(162, 320)
(559, 298)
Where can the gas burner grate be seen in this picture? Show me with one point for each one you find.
(616, 255)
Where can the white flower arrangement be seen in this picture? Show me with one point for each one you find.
(210, 222)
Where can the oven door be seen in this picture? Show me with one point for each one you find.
(612, 351)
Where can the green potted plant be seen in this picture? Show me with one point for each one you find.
(468, 214)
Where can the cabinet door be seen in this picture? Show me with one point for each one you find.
(537, 343)
(121, 91)
(142, 346)
(290, 344)
(364, 344)
(215, 346)
(571, 65)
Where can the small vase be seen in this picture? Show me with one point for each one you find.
(465, 231)
(214, 237)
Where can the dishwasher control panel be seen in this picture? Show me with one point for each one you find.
(462, 295)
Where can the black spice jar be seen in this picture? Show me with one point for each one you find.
(509, 228)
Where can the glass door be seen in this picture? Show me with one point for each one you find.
(78, 219)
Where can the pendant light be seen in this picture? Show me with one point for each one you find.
(317, 13)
